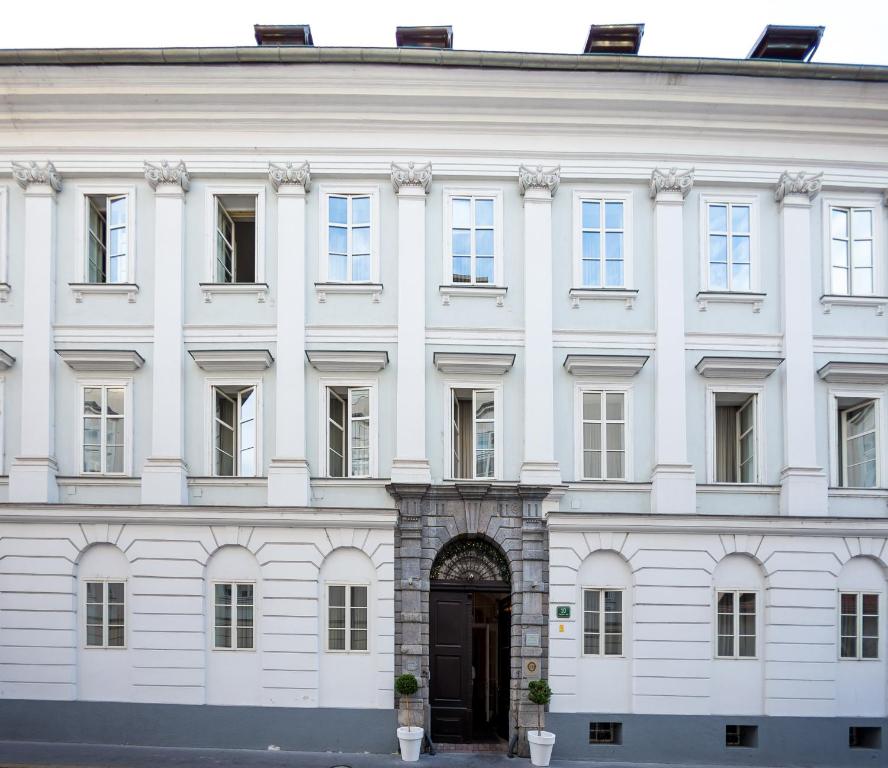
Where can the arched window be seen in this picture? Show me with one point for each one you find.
(103, 571)
(739, 584)
(861, 607)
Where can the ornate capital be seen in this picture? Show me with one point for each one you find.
(167, 174)
(411, 176)
(31, 173)
(800, 183)
(672, 180)
(290, 174)
(538, 178)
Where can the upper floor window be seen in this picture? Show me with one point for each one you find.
(473, 238)
(105, 614)
(602, 622)
(729, 246)
(348, 431)
(349, 221)
(735, 452)
(602, 240)
(103, 445)
(473, 433)
(235, 238)
(233, 625)
(858, 460)
(859, 625)
(736, 619)
(603, 435)
(107, 242)
(235, 425)
(347, 625)
(851, 251)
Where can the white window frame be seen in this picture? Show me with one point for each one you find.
(234, 646)
(325, 191)
(210, 195)
(372, 429)
(874, 203)
(490, 384)
(591, 385)
(736, 591)
(4, 243)
(347, 586)
(126, 613)
(351, 382)
(498, 236)
(836, 444)
(211, 382)
(755, 277)
(618, 195)
(80, 270)
(601, 612)
(112, 381)
(760, 463)
(858, 645)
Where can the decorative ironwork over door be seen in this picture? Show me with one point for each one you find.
(470, 560)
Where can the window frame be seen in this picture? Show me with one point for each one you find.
(496, 193)
(617, 194)
(755, 277)
(735, 389)
(126, 383)
(211, 383)
(234, 647)
(221, 190)
(347, 585)
(601, 612)
(4, 243)
(349, 382)
(736, 592)
(81, 250)
(874, 204)
(492, 385)
(836, 444)
(126, 615)
(583, 387)
(325, 191)
(858, 639)
(3, 425)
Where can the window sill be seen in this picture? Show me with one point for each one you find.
(257, 482)
(79, 290)
(627, 295)
(737, 488)
(98, 480)
(260, 290)
(5, 288)
(705, 298)
(861, 493)
(608, 485)
(877, 302)
(497, 292)
(355, 289)
(350, 482)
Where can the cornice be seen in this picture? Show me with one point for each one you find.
(30, 173)
(798, 183)
(167, 174)
(6, 360)
(231, 360)
(347, 361)
(614, 366)
(481, 363)
(411, 175)
(671, 181)
(840, 372)
(290, 174)
(755, 368)
(538, 178)
(101, 360)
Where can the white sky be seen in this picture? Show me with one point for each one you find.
(856, 30)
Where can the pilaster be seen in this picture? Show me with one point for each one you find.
(538, 466)
(288, 472)
(673, 488)
(411, 184)
(803, 484)
(32, 476)
(164, 476)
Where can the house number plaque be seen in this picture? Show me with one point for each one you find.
(562, 612)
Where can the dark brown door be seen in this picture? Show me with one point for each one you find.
(450, 652)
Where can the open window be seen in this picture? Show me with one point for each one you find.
(858, 442)
(235, 238)
(348, 431)
(473, 426)
(736, 438)
(107, 239)
(235, 425)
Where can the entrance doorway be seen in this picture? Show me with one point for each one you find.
(470, 615)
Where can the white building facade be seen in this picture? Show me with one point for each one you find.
(320, 366)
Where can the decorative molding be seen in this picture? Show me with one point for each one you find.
(101, 360)
(756, 368)
(290, 174)
(840, 372)
(79, 290)
(617, 366)
(705, 298)
(539, 178)
(366, 289)
(885, 197)
(626, 295)
(412, 176)
(447, 292)
(5, 288)
(800, 183)
(830, 300)
(492, 363)
(260, 290)
(231, 360)
(6, 360)
(672, 180)
(32, 173)
(167, 174)
(347, 361)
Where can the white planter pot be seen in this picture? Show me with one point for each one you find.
(541, 744)
(410, 740)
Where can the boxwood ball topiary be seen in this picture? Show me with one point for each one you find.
(406, 685)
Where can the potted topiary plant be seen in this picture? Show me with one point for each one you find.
(409, 738)
(541, 742)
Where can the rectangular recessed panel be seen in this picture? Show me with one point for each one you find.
(447, 672)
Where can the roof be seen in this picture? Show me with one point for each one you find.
(271, 54)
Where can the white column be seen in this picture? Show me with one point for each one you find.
(803, 484)
(411, 464)
(165, 474)
(538, 466)
(673, 488)
(33, 472)
(289, 481)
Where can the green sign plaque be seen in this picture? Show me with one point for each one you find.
(562, 611)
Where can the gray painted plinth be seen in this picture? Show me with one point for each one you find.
(686, 739)
(184, 725)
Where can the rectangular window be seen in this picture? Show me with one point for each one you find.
(605, 733)
(736, 624)
(103, 443)
(858, 459)
(864, 737)
(349, 240)
(602, 244)
(105, 614)
(602, 618)
(728, 243)
(235, 255)
(473, 239)
(348, 431)
(233, 625)
(735, 438)
(604, 436)
(347, 625)
(106, 239)
(741, 735)
(851, 251)
(473, 425)
(859, 625)
(234, 425)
